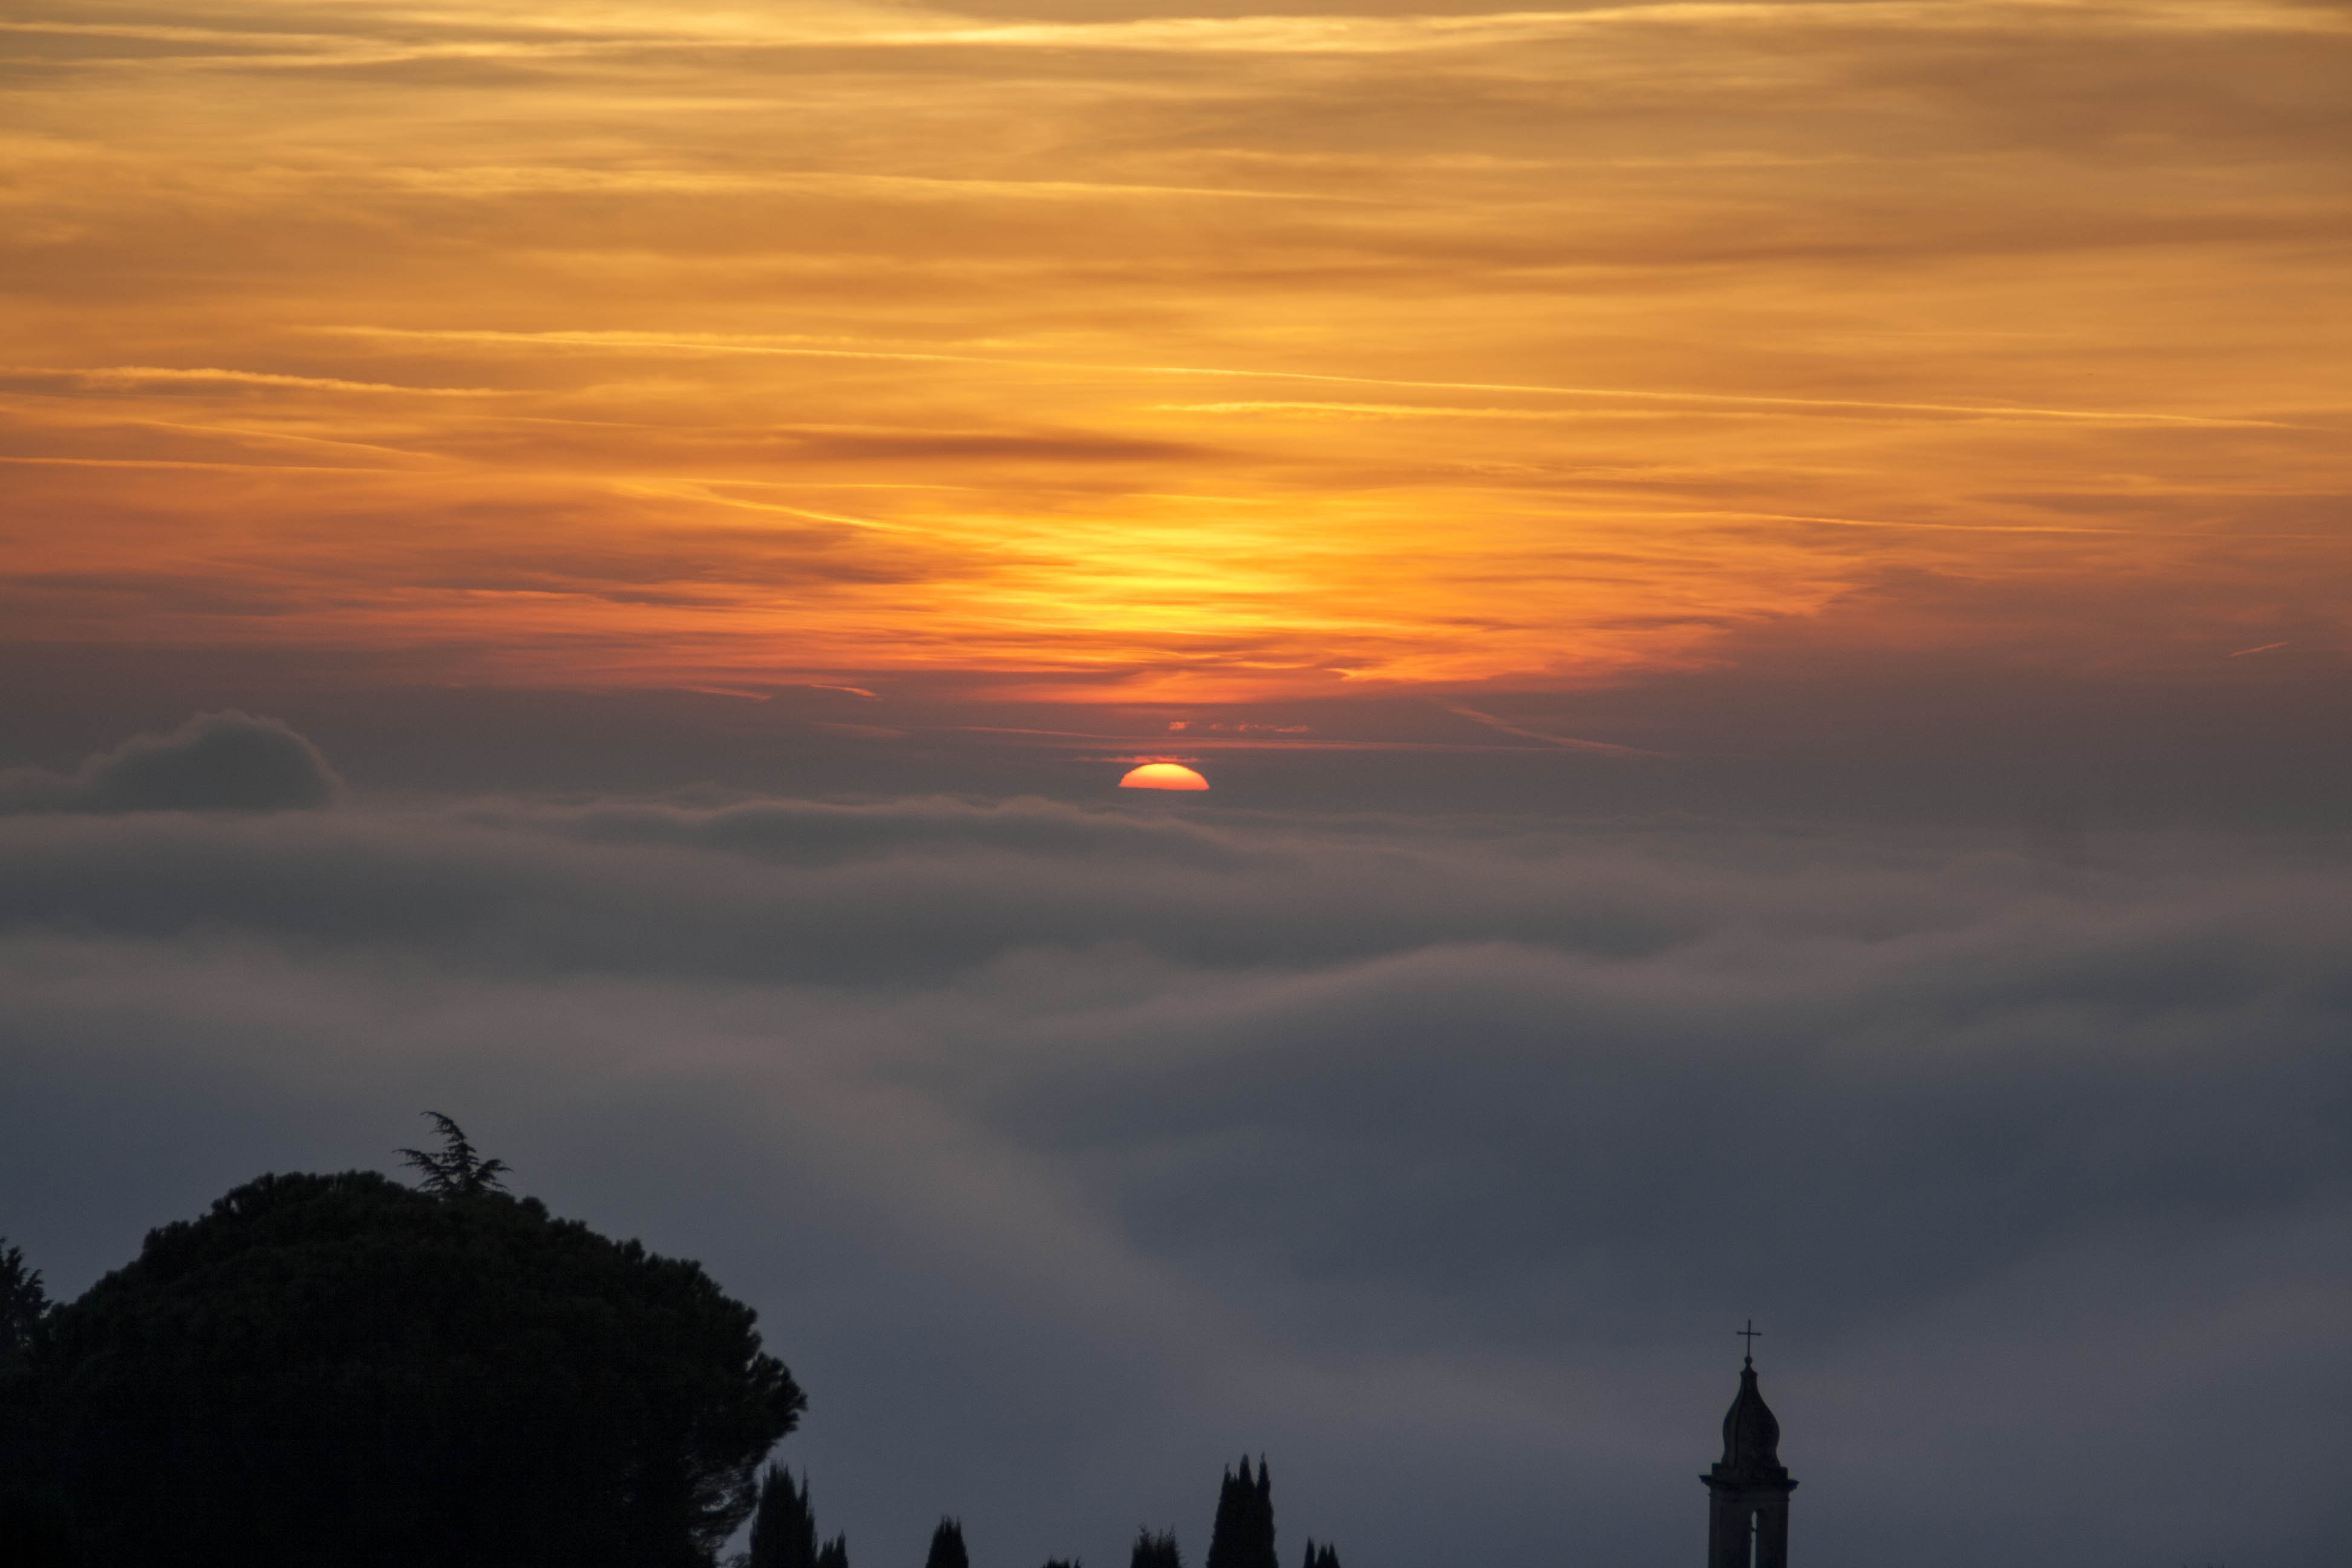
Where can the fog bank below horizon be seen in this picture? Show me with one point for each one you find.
(1069, 1152)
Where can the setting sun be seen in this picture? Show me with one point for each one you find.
(1162, 775)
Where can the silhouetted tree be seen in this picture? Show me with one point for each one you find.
(22, 1305)
(33, 1533)
(1243, 1535)
(1155, 1551)
(340, 1369)
(784, 1528)
(1323, 1557)
(458, 1172)
(1062, 1563)
(947, 1546)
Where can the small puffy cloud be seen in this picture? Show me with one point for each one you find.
(216, 761)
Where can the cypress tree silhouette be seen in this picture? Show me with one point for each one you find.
(23, 1304)
(784, 1528)
(1244, 1534)
(33, 1522)
(1323, 1557)
(947, 1546)
(1155, 1551)
(834, 1554)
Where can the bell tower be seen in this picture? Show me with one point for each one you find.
(1747, 1490)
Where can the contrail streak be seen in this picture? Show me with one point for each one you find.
(715, 344)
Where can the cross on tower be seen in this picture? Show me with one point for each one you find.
(1751, 1334)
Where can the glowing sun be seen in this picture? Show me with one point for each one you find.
(1162, 775)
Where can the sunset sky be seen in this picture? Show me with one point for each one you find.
(1761, 588)
(1128, 358)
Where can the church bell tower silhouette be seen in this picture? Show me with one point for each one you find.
(1747, 1490)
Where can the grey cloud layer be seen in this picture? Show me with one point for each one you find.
(1434, 1158)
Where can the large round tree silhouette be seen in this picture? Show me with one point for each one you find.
(337, 1369)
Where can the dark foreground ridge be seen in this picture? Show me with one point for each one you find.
(340, 1372)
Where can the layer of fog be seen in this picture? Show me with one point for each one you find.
(1068, 1151)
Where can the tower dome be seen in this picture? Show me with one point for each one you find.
(1748, 1502)
(1751, 1437)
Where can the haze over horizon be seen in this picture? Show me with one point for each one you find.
(1761, 588)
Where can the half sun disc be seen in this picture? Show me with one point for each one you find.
(1162, 775)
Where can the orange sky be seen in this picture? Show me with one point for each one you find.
(1191, 355)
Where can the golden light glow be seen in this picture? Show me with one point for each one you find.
(1109, 353)
(1162, 775)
